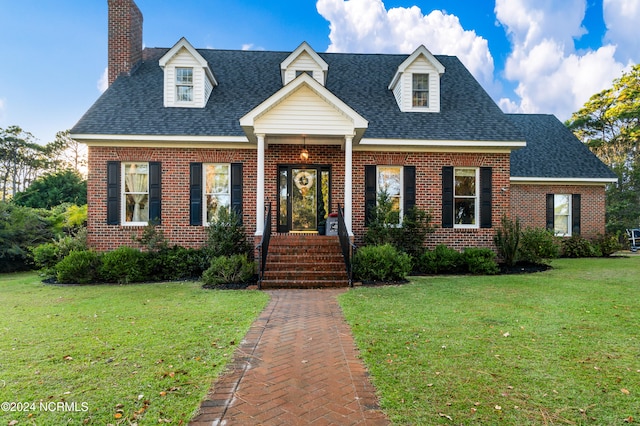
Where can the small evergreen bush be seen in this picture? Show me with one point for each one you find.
(408, 236)
(177, 263)
(381, 263)
(606, 245)
(125, 265)
(481, 261)
(538, 244)
(577, 246)
(226, 236)
(441, 260)
(234, 269)
(78, 267)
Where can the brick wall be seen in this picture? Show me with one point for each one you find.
(125, 37)
(175, 189)
(528, 203)
(175, 193)
(429, 191)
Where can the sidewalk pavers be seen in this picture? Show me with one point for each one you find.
(297, 365)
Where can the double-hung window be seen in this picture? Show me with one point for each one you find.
(562, 215)
(135, 178)
(421, 90)
(184, 84)
(389, 185)
(465, 197)
(217, 190)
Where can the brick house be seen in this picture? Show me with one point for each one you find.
(182, 133)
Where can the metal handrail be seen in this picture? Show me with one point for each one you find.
(348, 248)
(263, 247)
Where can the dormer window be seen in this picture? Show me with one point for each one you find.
(184, 84)
(188, 79)
(416, 83)
(421, 90)
(303, 60)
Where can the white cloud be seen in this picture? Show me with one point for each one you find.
(551, 76)
(247, 46)
(367, 26)
(621, 18)
(103, 82)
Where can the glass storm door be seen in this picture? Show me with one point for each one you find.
(303, 193)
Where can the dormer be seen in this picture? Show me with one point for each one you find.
(188, 80)
(416, 83)
(304, 60)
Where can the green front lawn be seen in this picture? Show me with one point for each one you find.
(143, 354)
(559, 347)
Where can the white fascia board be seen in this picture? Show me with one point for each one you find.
(304, 47)
(442, 143)
(95, 139)
(561, 181)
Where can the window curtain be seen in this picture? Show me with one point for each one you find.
(138, 183)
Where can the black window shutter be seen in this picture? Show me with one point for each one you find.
(485, 197)
(550, 212)
(155, 194)
(113, 193)
(369, 192)
(195, 194)
(447, 197)
(575, 214)
(409, 188)
(236, 189)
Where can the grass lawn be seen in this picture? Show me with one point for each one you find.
(559, 347)
(144, 354)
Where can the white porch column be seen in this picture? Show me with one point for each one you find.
(348, 183)
(260, 187)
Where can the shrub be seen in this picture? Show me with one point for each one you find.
(408, 237)
(537, 244)
(381, 263)
(234, 269)
(480, 261)
(441, 260)
(78, 267)
(226, 236)
(577, 246)
(606, 245)
(47, 255)
(507, 240)
(125, 265)
(178, 263)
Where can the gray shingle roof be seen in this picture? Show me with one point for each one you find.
(552, 151)
(133, 105)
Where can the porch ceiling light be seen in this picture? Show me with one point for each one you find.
(304, 154)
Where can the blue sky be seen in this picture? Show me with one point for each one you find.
(543, 56)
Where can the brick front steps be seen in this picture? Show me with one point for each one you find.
(304, 261)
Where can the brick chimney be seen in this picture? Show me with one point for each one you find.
(125, 37)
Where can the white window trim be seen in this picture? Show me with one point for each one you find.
(569, 216)
(475, 225)
(413, 90)
(205, 218)
(123, 195)
(401, 215)
(178, 85)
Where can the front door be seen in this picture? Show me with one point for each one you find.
(303, 197)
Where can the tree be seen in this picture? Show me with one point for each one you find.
(609, 123)
(21, 160)
(65, 153)
(66, 186)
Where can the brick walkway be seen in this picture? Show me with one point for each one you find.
(296, 366)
